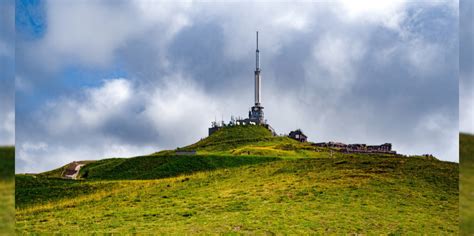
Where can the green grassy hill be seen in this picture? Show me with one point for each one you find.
(466, 207)
(232, 137)
(244, 180)
(7, 189)
(156, 167)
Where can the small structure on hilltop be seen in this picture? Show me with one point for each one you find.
(214, 127)
(358, 148)
(429, 156)
(256, 115)
(298, 135)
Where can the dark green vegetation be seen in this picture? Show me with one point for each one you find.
(243, 180)
(156, 167)
(39, 190)
(466, 197)
(7, 167)
(7, 189)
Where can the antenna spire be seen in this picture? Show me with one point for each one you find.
(257, 41)
(257, 61)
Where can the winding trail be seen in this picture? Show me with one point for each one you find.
(73, 171)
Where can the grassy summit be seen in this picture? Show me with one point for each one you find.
(232, 137)
(244, 180)
(466, 207)
(7, 190)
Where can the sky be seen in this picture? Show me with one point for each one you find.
(98, 79)
(466, 62)
(7, 73)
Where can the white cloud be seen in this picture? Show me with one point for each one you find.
(7, 128)
(443, 140)
(173, 107)
(386, 12)
(47, 157)
(292, 20)
(90, 110)
(40, 146)
(425, 57)
(104, 102)
(334, 60)
(79, 127)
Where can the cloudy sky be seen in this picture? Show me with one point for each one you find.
(466, 70)
(7, 73)
(98, 79)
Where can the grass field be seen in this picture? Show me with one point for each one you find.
(237, 184)
(7, 189)
(466, 208)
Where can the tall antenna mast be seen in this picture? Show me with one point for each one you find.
(258, 56)
(257, 75)
(256, 113)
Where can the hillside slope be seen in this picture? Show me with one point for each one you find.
(7, 190)
(156, 167)
(466, 207)
(229, 147)
(245, 181)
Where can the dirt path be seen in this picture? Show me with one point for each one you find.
(73, 171)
